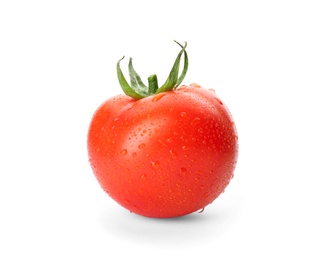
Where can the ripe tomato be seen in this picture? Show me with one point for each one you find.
(164, 155)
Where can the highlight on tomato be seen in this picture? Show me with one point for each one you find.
(163, 151)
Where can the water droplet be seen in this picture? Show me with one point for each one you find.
(158, 97)
(195, 85)
(195, 121)
(124, 152)
(212, 90)
(183, 114)
(200, 130)
(116, 119)
(183, 172)
(143, 177)
(154, 164)
(201, 210)
(219, 101)
(173, 153)
(141, 146)
(236, 138)
(134, 154)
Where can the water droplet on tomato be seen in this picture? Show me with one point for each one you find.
(195, 85)
(201, 210)
(183, 114)
(236, 138)
(158, 97)
(195, 121)
(124, 152)
(143, 177)
(219, 101)
(212, 90)
(173, 153)
(141, 146)
(134, 154)
(200, 130)
(154, 164)
(183, 172)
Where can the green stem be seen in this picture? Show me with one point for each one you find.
(152, 84)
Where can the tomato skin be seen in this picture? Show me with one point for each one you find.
(166, 155)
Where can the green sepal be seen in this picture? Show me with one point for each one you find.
(185, 66)
(125, 85)
(136, 83)
(173, 81)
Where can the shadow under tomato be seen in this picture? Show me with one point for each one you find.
(188, 229)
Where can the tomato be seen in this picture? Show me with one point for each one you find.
(164, 155)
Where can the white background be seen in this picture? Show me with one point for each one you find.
(271, 62)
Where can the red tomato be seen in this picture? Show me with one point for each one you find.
(164, 155)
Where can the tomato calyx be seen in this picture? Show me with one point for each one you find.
(138, 90)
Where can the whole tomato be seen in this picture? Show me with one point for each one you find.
(163, 152)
